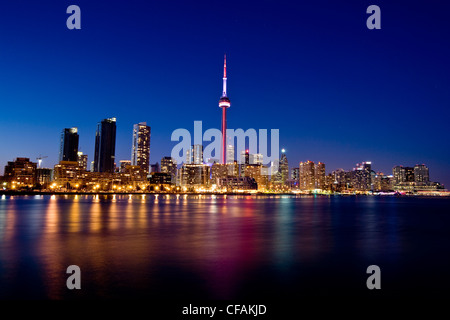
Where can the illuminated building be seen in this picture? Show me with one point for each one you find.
(256, 158)
(233, 169)
(160, 179)
(238, 183)
(319, 176)
(82, 160)
(169, 165)
(403, 174)
(195, 154)
(244, 161)
(282, 175)
(20, 173)
(259, 173)
(230, 153)
(140, 149)
(68, 150)
(245, 157)
(414, 179)
(224, 103)
(341, 180)
(44, 177)
(68, 175)
(306, 175)
(362, 177)
(421, 173)
(135, 176)
(409, 174)
(123, 165)
(381, 182)
(92, 166)
(105, 146)
(194, 175)
(219, 171)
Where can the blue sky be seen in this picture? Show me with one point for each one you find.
(338, 92)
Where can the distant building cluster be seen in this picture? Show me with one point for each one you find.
(248, 174)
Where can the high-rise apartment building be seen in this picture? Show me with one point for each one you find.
(306, 175)
(362, 176)
(68, 150)
(105, 146)
(421, 173)
(140, 149)
(195, 154)
(319, 176)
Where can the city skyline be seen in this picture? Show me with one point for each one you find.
(359, 104)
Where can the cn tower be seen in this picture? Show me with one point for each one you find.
(224, 103)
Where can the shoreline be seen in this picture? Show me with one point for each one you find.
(51, 193)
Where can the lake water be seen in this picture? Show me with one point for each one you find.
(217, 247)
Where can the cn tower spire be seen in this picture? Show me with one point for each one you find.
(224, 94)
(224, 103)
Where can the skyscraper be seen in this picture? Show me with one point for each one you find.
(405, 174)
(68, 150)
(224, 103)
(283, 169)
(140, 149)
(319, 178)
(195, 154)
(306, 175)
(230, 153)
(361, 176)
(105, 146)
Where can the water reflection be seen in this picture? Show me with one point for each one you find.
(212, 246)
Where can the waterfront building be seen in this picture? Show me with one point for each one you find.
(20, 173)
(238, 183)
(362, 176)
(421, 173)
(68, 149)
(195, 154)
(44, 177)
(306, 176)
(82, 160)
(195, 175)
(169, 165)
(319, 176)
(230, 153)
(140, 149)
(68, 175)
(123, 165)
(105, 146)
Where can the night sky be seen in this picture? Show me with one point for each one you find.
(338, 92)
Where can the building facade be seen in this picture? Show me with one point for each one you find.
(306, 176)
(105, 146)
(68, 150)
(20, 173)
(140, 149)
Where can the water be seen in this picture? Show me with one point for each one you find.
(216, 247)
